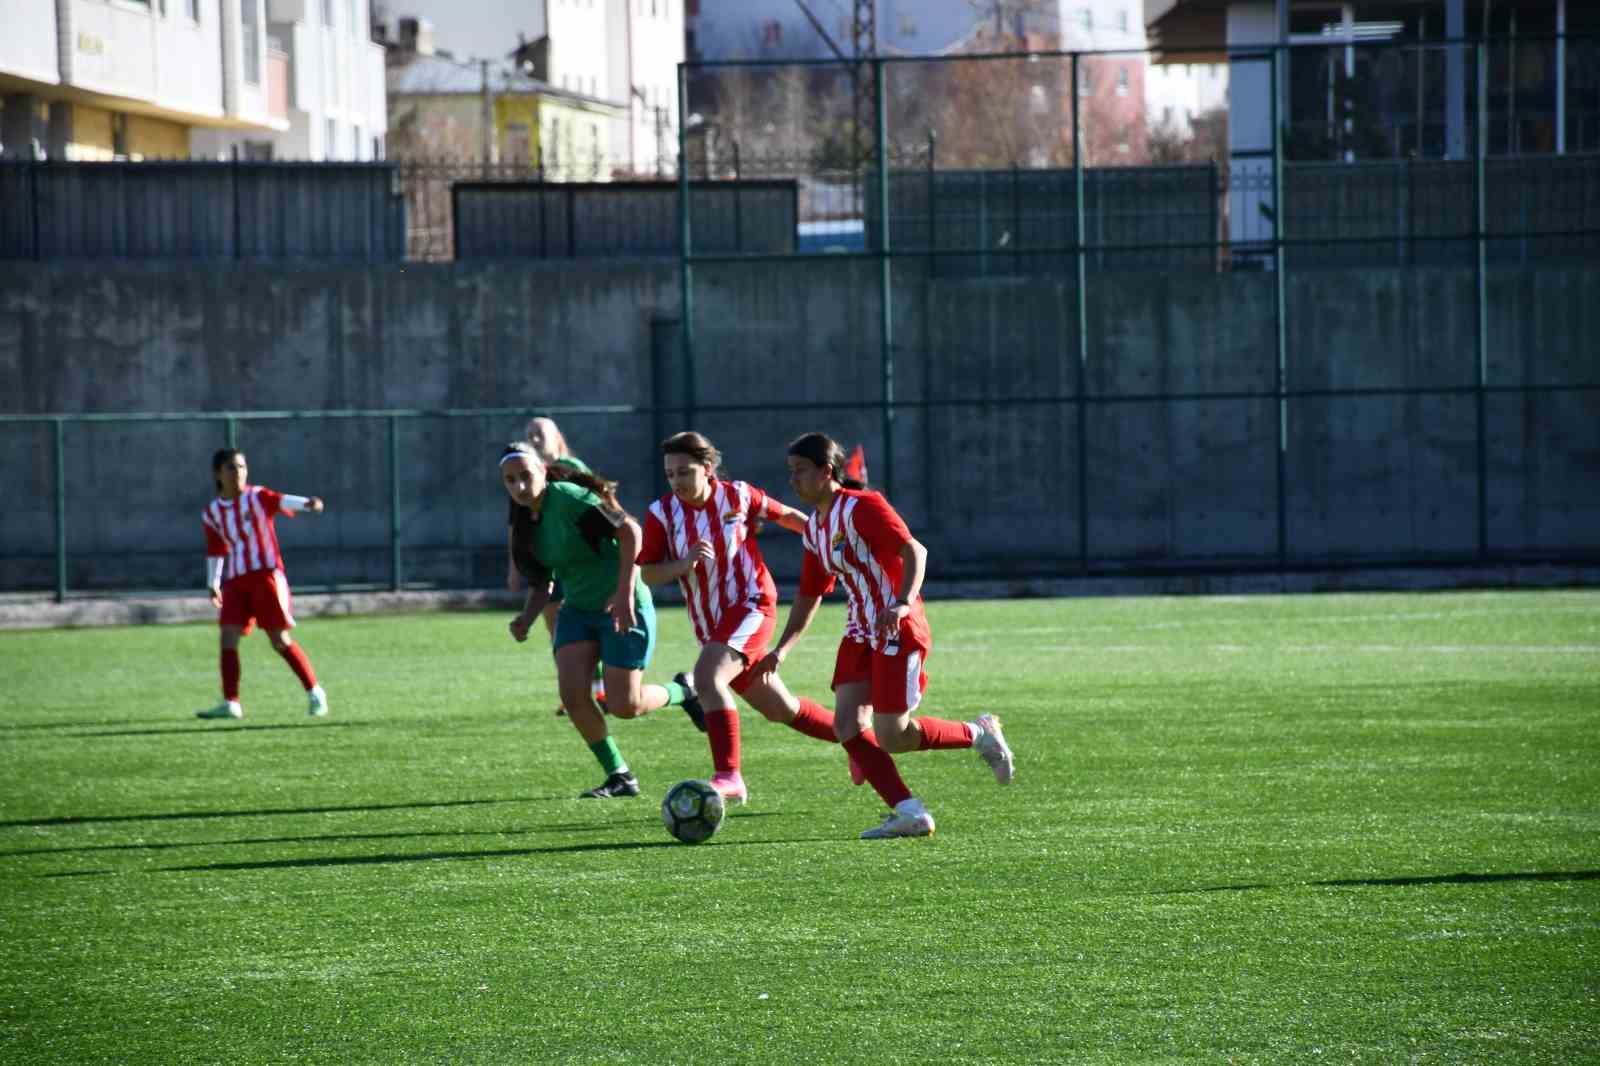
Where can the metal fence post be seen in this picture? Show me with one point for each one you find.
(61, 509)
(394, 504)
(738, 201)
(1081, 271)
(1479, 224)
(885, 279)
(1280, 211)
(685, 249)
(933, 208)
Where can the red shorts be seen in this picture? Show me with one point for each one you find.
(259, 596)
(748, 633)
(898, 681)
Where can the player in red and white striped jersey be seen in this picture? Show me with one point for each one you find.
(244, 571)
(702, 534)
(856, 539)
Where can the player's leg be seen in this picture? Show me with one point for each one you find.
(772, 698)
(906, 817)
(898, 682)
(577, 652)
(228, 636)
(714, 673)
(625, 656)
(275, 609)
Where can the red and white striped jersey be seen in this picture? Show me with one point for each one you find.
(737, 577)
(858, 543)
(241, 531)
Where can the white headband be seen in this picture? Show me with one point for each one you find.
(515, 454)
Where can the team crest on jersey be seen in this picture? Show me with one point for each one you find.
(731, 517)
(838, 543)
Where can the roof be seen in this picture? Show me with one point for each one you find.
(1187, 24)
(434, 75)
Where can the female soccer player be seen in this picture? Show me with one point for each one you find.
(551, 446)
(854, 536)
(245, 574)
(569, 526)
(701, 534)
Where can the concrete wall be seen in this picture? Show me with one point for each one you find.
(1179, 430)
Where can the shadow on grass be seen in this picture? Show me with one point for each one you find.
(461, 856)
(195, 729)
(319, 839)
(1404, 882)
(88, 819)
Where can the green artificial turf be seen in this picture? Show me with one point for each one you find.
(1336, 828)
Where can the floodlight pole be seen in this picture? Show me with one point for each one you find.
(885, 279)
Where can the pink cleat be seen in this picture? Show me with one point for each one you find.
(731, 786)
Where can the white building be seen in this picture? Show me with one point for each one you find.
(337, 106)
(140, 79)
(624, 52)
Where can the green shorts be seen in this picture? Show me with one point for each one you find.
(629, 651)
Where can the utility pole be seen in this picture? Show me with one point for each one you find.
(864, 49)
(487, 140)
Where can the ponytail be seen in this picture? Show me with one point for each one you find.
(823, 450)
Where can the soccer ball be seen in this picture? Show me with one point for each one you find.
(692, 811)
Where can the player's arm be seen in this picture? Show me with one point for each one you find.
(621, 605)
(216, 550)
(295, 504)
(774, 510)
(913, 567)
(815, 583)
(655, 567)
(532, 606)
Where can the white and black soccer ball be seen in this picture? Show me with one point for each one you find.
(692, 811)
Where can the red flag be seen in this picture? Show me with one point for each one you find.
(856, 465)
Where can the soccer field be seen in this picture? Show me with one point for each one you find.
(1336, 828)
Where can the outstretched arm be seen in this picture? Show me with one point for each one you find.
(801, 612)
(294, 504)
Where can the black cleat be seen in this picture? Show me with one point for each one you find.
(623, 784)
(691, 702)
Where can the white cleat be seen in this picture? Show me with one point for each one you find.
(316, 701)
(225, 709)
(908, 819)
(992, 747)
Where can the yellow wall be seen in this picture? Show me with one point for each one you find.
(147, 138)
(576, 142)
(91, 133)
(151, 138)
(517, 147)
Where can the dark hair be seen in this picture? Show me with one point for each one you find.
(695, 446)
(218, 458)
(823, 450)
(559, 471)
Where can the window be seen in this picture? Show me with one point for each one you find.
(1122, 20)
(327, 12)
(194, 9)
(350, 16)
(1122, 82)
(330, 137)
(250, 40)
(355, 142)
(1087, 15)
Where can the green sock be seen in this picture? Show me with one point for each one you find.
(676, 693)
(599, 671)
(611, 760)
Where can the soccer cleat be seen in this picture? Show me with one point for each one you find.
(858, 776)
(316, 701)
(225, 709)
(691, 702)
(731, 786)
(908, 819)
(992, 747)
(622, 783)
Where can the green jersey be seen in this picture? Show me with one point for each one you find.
(574, 539)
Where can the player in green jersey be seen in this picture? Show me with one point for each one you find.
(568, 526)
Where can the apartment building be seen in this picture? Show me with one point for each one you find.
(149, 79)
(620, 53)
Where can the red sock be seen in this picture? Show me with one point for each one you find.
(300, 665)
(230, 673)
(878, 765)
(722, 729)
(940, 733)
(814, 720)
